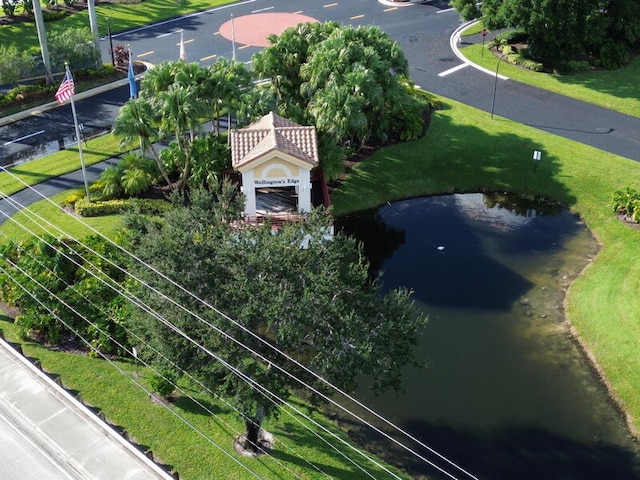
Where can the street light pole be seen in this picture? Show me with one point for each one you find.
(113, 58)
(495, 85)
(233, 39)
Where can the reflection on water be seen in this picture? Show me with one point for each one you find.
(506, 392)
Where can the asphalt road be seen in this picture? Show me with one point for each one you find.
(423, 31)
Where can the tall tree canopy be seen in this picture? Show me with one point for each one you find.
(350, 82)
(305, 294)
(563, 30)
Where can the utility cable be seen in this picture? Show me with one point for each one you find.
(246, 379)
(258, 338)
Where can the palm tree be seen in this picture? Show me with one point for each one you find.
(42, 37)
(136, 121)
(223, 87)
(158, 79)
(181, 112)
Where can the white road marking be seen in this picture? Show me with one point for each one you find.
(262, 9)
(177, 19)
(22, 138)
(453, 69)
(446, 10)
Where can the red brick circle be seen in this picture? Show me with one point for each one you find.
(255, 28)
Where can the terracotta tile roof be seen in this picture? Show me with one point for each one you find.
(273, 132)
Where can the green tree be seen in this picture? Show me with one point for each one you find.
(136, 121)
(281, 61)
(317, 304)
(223, 87)
(69, 279)
(468, 9)
(14, 64)
(75, 46)
(181, 112)
(350, 82)
(563, 30)
(210, 157)
(157, 80)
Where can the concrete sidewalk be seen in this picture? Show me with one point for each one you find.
(45, 430)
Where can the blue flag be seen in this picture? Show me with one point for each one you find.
(133, 87)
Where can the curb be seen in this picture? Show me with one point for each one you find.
(50, 445)
(454, 40)
(79, 96)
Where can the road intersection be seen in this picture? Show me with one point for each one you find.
(424, 31)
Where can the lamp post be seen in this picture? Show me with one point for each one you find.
(113, 58)
(495, 85)
(233, 39)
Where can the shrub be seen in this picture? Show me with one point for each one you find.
(72, 198)
(27, 6)
(73, 45)
(512, 36)
(61, 266)
(52, 16)
(524, 62)
(9, 7)
(613, 55)
(114, 207)
(626, 202)
(14, 64)
(135, 181)
(163, 383)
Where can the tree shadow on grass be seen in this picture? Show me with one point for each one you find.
(293, 437)
(456, 157)
(622, 83)
(197, 406)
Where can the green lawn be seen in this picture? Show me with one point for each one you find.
(617, 90)
(298, 452)
(19, 177)
(464, 151)
(121, 16)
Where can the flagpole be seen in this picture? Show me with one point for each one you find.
(75, 122)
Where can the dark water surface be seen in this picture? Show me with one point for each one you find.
(506, 393)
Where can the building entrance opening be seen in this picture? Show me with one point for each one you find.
(273, 200)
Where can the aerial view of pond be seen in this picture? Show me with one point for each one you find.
(506, 392)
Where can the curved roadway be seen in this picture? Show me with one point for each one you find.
(423, 31)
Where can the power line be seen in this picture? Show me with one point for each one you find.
(265, 392)
(269, 345)
(113, 364)
(158, 353)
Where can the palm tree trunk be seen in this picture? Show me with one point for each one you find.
(42, 37)
(93, 23)
(163, 171)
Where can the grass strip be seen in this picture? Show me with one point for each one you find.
(457, 155)
(33, 221)
(121, 16)
(59, 163)
(297, 454)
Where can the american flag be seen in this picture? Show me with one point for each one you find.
(66, 89)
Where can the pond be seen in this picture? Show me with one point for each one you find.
(506, 392)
